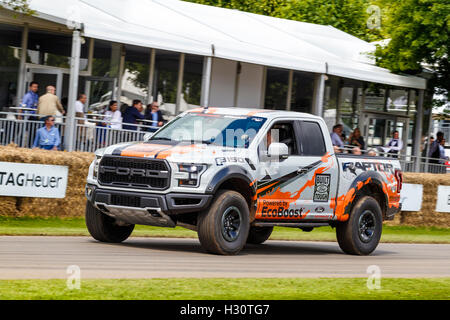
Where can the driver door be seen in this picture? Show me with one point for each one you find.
(298, 186)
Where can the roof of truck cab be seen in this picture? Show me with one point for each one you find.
(263, 113)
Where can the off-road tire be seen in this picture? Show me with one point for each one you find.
(212, 224)
(361, 233)
(104, 228)
(258, 235)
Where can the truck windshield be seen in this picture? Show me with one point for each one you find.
(215, 129)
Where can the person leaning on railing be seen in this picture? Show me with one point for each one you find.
(154, 115)
(47, 137)
(113, 117)
(436, 154)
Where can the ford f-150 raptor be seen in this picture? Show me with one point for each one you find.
(232, 174)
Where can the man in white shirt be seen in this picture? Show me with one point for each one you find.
(395, 145)
(79, 107)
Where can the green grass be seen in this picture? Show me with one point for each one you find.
(76, 227)
(228, 289)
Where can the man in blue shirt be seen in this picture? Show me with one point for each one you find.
(131, 115)
(48, 137)
(31, 98)
(154, 115)
(336, 137)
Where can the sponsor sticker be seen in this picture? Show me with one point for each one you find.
(322, 188)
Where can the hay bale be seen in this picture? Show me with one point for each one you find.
(71, 206)
(427, 217)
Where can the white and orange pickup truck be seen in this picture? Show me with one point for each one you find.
(232, 174)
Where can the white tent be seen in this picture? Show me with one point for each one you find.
(224, 33)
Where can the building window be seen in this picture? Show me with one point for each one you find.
(166, 80)
(192, 82)
(134, 83)
(10, 44)
(276, 89)
(398, 101)
(54, 50)
(302, 92)
(375, 98)
(330, 101)
(106, 59)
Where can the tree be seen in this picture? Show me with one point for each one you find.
(419, 33)
(350, 16)
(19, 6)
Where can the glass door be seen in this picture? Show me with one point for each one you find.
(46, 76)
(377, 129)
(100, 91)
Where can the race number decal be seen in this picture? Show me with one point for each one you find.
(322, 188)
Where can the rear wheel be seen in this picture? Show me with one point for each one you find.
(105, 228)
(223, 228)
(361, 233)
(258, 235)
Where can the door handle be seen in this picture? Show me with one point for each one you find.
(302, 171)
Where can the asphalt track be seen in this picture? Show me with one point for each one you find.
(49, 257)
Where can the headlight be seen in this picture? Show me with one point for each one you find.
(96, 165)
(189, 174)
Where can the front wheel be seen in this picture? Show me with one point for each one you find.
(223, 228)
(105, 228)
(361, 233)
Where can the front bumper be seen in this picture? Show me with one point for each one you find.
(145, 208)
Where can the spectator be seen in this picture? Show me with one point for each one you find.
(79, 107)
(123, 107)
(155, 115)
(336, 136)
(113, 116)
(132, 114)
(424, 151)
(47, 137)
(372, 153)
(442, 155)
(356, 151)
(31, 98)
(395, 145)
(355, 139)
(434, 151)
(49, 104)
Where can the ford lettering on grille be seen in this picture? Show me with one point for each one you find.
(134, 172)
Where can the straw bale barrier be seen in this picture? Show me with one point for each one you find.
(78, 162)
(427, 217)
(74, 202)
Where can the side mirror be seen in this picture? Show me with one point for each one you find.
(278, 151)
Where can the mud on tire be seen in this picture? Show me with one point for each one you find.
(104, 228)
(223, 228)
(361, 233)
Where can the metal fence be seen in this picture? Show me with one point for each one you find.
(94, 133)
(90, 134)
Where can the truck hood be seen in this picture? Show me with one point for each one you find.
(174, 152)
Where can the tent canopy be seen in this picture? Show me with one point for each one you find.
(224, 33)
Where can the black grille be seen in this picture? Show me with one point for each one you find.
(125, 201)
(134, 173)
